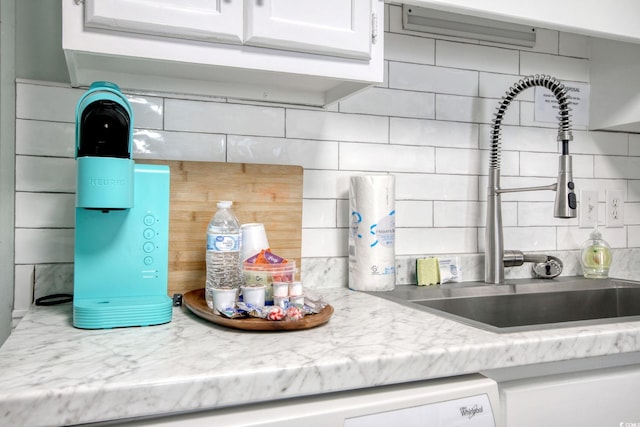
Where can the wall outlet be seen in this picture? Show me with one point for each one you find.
(615, 208)
(588, 208)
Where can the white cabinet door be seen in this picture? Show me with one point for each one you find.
(335, 27)
(209, 20)
(603, 397)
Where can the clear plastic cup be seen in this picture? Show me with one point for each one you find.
(254, 239)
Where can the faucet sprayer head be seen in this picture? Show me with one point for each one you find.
(565, 206)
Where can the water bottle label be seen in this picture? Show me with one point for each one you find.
(223, 242)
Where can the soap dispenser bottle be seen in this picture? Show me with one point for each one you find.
(595, 256)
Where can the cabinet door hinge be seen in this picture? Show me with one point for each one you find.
(374, 28)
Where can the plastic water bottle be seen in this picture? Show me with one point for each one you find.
(223, 251)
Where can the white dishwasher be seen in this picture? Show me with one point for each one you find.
(463, 401)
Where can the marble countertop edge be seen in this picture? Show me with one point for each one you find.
(53, 374)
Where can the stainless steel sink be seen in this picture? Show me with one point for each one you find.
(525, 305)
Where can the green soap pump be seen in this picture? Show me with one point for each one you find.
(595, 256)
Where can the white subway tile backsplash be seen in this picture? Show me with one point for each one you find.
(532, 214)
(148, 111)
(436, 187)
(40, 210)
(433, 133)
(43, 245)
(221, 117)
(58, 104)
(390, 102)
(280, 151)
(523, 138)
(560, 67)
(494, 85)
(529, 238)
(307, 124)
(430, 241)
(617, 167)
(386, 157)
(459, 214)
(414, 213)
(343, 213)
(427, 78)
(427, 124)
(475, 110)
(509, 213)
(326, 184)
(605, 143)
(582, 166)
(39, 138)
(49, 103)
(460, 161)
(601, 185)
(633, 192)
(539, 164)
(405, 48)
(187, 146)
(476, 57)
(324, 242)
(46, 174)
(573, 237)
(632, 213)
(510, 162)
(319, 213)
(616, 237)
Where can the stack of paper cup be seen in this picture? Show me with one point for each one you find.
(372, 264)
(254, 239)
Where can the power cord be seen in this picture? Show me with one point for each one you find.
(54, 299)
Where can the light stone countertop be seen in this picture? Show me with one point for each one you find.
(54, 374)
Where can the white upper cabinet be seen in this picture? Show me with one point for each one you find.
(311, 52)
(334, 27)
(616, 20)
(190, 19)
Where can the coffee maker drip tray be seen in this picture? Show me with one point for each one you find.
(100, 313)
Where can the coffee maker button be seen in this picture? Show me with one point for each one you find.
(148, 247)
(149, 220)
(148, 260)
(149, 233)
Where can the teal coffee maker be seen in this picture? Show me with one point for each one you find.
(122, 220)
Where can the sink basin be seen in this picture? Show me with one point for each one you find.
(525, 305)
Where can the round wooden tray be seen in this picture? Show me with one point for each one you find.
(194, 301)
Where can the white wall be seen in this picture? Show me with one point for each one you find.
(7, 127)
(428, 124)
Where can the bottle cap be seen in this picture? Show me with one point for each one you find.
(224, 204)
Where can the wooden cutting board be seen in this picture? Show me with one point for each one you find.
(268, 194)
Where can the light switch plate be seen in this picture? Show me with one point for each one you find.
(614, 213)
(588, 208)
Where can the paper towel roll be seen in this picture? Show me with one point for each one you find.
(372, 255)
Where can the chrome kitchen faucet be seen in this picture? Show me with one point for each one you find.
(495, 259)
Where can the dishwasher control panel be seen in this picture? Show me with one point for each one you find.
(472, 411)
